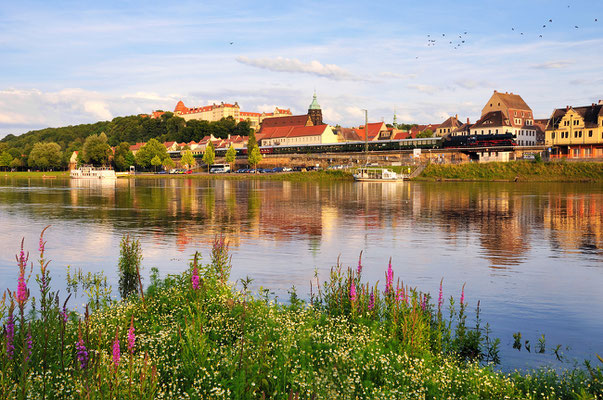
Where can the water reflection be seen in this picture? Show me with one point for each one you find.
(502, 220)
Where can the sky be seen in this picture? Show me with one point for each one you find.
(66, 63)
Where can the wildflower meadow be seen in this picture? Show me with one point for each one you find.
(199, 335)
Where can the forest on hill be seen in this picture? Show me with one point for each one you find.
(15, 150)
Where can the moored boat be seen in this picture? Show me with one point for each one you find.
(90, 172)
(378, 175)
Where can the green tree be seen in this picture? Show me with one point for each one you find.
(96, 150)
(251, 142)
(120, 158)
(168, 163)
(254, 157)
(16, 163)
(427, 133)
(45, 156)
(130, 257)
(188, 160)
(209, 156)
(231, 155)
(155, 162)
(5, 159)
(148, 151)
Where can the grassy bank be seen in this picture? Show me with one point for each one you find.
(309, 176)
(35, 174)
(518, 170)
(198, 335)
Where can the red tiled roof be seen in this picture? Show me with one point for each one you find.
(373, 130)
(249, 114)
(401, 135)
(168, 144)
(292, 131)
(294, 120)
(283, 111)
(137, 146)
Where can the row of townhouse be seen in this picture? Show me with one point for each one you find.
(199, 147)
(576, 132)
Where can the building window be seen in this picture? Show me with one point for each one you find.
(587, 152)
(590, 133)
(576, 152)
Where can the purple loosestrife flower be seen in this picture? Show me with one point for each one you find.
(352, 292)
(82, 353)
(389, 277)
(371, 304)
(131, 337)
(116, 351)
(424, 302)
(10, 334)
(440, 296)
(195, 278)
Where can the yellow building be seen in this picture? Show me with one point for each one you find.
(576, 132)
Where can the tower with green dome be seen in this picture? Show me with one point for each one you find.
(315, 112)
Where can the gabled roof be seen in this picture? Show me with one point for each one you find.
(283, 110)
(451, 122)
(293, 120)
(420, 128)
(491, 120)
(180, 107)
(513, 101)
(590, 115)
(402, 135)
(463, 128)
(374, 128)
(348, 134)
(292, 131)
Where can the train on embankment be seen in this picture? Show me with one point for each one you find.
(448, 142)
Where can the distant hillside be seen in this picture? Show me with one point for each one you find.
(131, 129)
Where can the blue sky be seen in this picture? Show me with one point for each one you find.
(65, 63)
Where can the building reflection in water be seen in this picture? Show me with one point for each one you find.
(500, 220)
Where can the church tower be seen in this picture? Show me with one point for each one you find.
(315, 112)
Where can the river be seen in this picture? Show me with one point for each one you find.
(531, 253)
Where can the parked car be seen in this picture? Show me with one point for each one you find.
(299, 169)
(161, 172)
(287, 169)
(190, 171)
(277, 169)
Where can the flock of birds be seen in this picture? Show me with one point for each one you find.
(457, 40)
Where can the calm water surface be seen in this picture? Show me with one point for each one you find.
(531, 253)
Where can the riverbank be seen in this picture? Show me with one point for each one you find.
(197, 335)
(308, 176)
(35, 174)
(522, 171)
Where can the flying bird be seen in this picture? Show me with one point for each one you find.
(550, 20)
(231, 42)
(544, 26)
(576, 26)
(540, 35)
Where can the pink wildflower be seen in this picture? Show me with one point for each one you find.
(440, 297)
(82, 353)
(424, 302)
(116, 351)
(352, 292)
(389, 277)
(131, 336)
(22, 290)
(371, 304)
(195, 278)
(29, 342)
(10, 334)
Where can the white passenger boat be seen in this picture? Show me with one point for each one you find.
(378, 175)
(90, 172)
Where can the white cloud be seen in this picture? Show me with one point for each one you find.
(553, 64)
(281, 64)
(424, 88)
(394, 75)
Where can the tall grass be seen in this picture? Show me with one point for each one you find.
(199, 335)
(518, 170)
